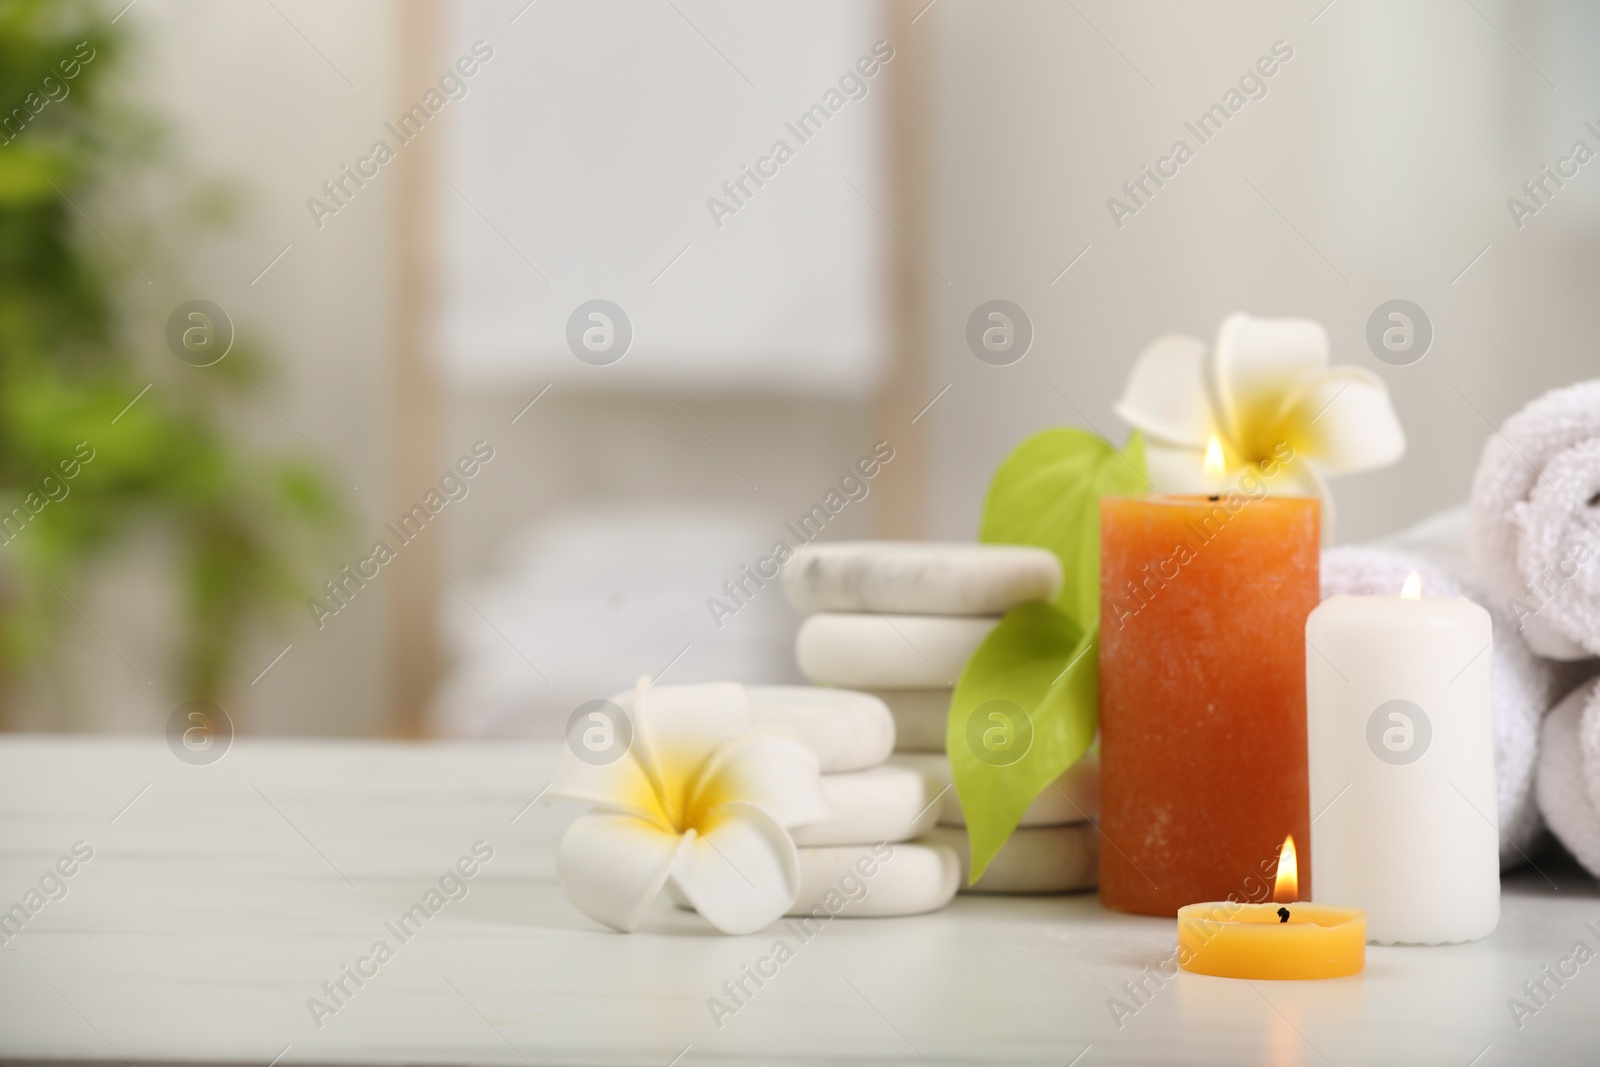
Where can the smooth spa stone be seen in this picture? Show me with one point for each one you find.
(919, 578)
(1073, 798)
(849, 731)
(1044, 859)
(887, 803)
(920, 717)
(888, 651)
(877, 881)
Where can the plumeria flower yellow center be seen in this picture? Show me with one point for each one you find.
(1265, 392)
(701, 798)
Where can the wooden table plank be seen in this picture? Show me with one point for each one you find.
(224, 896)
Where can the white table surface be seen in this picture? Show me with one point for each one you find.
(223, 896)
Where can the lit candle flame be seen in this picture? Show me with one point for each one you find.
(1215, 467)
(1286, 887)
(1412, 590)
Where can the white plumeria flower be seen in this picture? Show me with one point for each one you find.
(701, 797)
(1265, 391)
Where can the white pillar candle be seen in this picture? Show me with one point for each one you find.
(1401, 746)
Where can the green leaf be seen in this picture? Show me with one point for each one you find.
(1035, 677)
(1047, 493)
(1024, 711)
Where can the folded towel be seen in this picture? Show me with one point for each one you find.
(1535, 530)
(1524, 685)
(1569, 772)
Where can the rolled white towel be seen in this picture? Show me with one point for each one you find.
(1535, 527)
(1524, 686)
(1569, 771)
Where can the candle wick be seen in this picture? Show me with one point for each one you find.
(1214, 497)
(1283, 915)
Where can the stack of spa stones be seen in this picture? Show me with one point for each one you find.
(898, 621)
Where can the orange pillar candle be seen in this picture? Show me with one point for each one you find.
(1203, 604)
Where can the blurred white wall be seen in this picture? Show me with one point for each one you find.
(278, 96)
(1377, 166)
(1386, 146)
(606, 150)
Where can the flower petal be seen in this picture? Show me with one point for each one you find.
(612, 866)
(742, 872)
(677, 728)
(1174, 469)
(1300, 477)
(1343, 421)
(1166, 393)
(770, 768)
(1318, 487)
(1178, 470)
(1255, 366)
(621, 787)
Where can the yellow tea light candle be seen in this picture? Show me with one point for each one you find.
(1287, 938)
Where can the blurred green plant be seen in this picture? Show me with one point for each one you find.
(69, 370)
